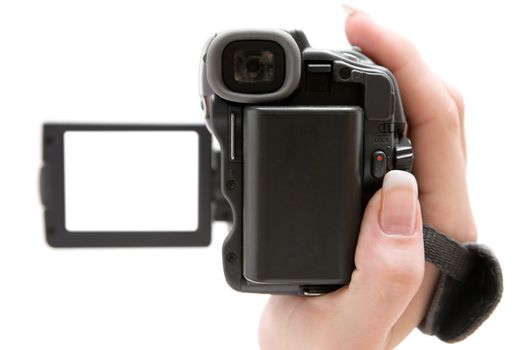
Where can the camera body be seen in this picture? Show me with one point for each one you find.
(306, 137)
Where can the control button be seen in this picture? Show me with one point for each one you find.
(378, 164)
(404, 155)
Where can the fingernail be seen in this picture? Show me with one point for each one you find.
(350, 10)
(399, 203)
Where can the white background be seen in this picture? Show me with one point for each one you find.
(132, 61)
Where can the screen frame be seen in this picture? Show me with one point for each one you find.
(52, 193)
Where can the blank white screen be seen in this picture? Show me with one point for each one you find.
(131, 180)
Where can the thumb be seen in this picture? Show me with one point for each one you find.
(389, 258)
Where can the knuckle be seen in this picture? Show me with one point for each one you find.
(452, 119)
(460, 103)
(458, 99)
(456, 107)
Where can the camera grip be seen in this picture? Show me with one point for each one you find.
(468, 290)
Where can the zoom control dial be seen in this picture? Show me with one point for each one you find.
(404, 155)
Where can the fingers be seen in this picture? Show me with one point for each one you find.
(434, 125)
(389, 270)
(389, 261)
(401, 57)
(434, 113)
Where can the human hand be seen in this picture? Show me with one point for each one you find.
(392, 285)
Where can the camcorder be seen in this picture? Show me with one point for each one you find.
(305, 136)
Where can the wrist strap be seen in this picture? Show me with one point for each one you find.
(468, 290)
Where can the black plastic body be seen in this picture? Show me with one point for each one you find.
(288, 234)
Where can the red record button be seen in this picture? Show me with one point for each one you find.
(378, 164)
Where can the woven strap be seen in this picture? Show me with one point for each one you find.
(468, 290)
(446, 254)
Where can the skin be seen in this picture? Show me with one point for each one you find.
(392, 285)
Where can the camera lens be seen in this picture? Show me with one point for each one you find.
(253, 66)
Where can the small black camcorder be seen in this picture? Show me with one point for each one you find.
(306, 136)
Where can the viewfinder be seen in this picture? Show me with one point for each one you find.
(253, 66)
